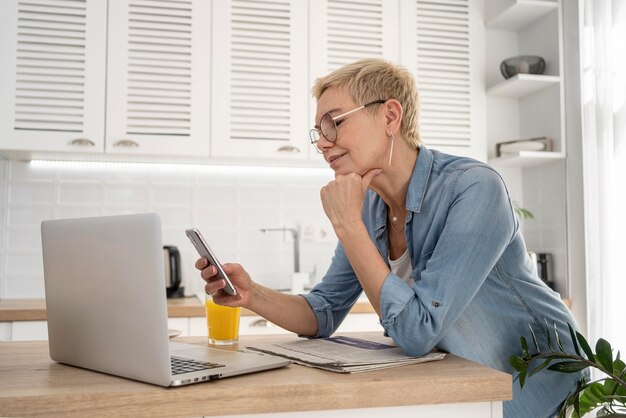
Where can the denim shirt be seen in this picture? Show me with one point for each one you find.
(475, 290)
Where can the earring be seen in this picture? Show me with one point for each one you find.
(391, 148)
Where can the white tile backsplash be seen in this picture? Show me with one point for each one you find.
(228, 204)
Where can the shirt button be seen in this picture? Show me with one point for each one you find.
(436, 304)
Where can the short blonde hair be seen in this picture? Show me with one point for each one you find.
(373, 79)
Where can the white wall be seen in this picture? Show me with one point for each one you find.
(229, 204)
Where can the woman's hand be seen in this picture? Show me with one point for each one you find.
(343, 197)
(214, 285)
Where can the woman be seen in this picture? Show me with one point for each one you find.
(431, 238)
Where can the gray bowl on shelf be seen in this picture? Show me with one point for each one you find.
(523, 64)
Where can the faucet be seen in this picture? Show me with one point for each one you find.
(296, 245)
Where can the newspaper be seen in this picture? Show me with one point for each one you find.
(344, 354)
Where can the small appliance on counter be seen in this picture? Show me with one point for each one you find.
(173, 276)
(543, 261)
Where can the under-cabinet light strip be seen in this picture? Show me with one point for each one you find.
(223, 169)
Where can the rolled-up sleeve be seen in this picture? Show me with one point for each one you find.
(332, 298)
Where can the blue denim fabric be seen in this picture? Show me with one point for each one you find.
(475, 290)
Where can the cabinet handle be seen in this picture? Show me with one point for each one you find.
(126, 143)
(82, 142)
(262, 323)
(289, 148)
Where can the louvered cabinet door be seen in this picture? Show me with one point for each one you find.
(260, 92)
(158, 77)
(442, 48)
(52, 77)
(344, 31)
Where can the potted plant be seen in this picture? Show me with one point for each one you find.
(607, 393)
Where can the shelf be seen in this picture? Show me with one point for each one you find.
(527, 159)
(522, 85)
(518, 14)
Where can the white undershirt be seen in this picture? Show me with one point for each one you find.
(401, 267)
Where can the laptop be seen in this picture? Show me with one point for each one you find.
(107, 308)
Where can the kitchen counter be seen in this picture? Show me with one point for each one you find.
(34, 385)
(35, 309)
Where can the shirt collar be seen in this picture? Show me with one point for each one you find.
(417, 188)
(419, 179)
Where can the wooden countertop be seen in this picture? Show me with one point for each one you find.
(34, 385)
(35, 309)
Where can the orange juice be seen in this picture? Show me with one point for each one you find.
(222, 323)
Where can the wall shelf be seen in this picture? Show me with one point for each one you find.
(517, 14)
(522, 85)
(526, 159)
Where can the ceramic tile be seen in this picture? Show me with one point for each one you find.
(31, 192)
(24, 287)
(18, 215)
(78, 211)
(179, 195)
(215, 217)
(24, 263)
(126, 194)
(25, 238)
(175, 217)
(22, 170)
(259, 195)
(215, 195)
(301, 197)
(80, 193)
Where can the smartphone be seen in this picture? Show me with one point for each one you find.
(204, 250)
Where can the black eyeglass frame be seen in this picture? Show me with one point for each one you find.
(315, 134)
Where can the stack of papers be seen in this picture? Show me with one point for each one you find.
(344, 354)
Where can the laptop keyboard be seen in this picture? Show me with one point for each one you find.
(186, 365)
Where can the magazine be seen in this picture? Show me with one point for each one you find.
(343, 354)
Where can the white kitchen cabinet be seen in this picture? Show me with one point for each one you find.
(52, 94)
(259, 74)
(93, 76)
(442, 45)
(225, 79)
(23, 331)
(265, 63)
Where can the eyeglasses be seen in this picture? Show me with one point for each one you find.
(328, 125)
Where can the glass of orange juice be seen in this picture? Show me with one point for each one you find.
(222, 322)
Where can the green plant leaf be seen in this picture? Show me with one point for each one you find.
(541, 367)
(585, 346)
(568, 366)
(548, 338)
(591, 397)
(517, 362)
(619, 368)
(524, 347)
(522, 378)
(558, 339)
(573, 337)
(604, 354)
(534, 337)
